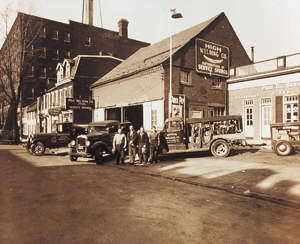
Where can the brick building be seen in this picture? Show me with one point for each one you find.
(142, 82)
(74, 77)
(265, 92)
(56, 41)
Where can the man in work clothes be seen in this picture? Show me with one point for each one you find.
(119, 145)
(131, 138)
(154, 143)
(143, 144)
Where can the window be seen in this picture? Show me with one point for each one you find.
(154, 117)
(216, 82)
(291, 110)
(218, 112)
(55, 54)
(43, 32)
(67, 37)
(249, 112)
(88, 42)
(210, 113)
(43, 73)
(197, 114)
(185, 77)
(67, 54)
(31, 71)
(31, 50)
(67, 70)
(44, 51)
(55, 35)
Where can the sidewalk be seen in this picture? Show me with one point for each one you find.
(257, 173)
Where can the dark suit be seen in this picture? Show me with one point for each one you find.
(143, 143)
(132, 140)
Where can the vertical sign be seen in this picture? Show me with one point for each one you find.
(211, 58)
(178, 105)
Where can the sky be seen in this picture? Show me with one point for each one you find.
(271, 26)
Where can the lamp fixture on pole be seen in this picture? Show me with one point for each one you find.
(174, 15)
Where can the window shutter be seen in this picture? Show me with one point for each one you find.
(278, 108)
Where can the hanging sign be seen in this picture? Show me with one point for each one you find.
(211, 58)
(72, 103)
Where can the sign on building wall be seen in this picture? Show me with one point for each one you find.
(211, 58)
(72, 103)
(178, 105)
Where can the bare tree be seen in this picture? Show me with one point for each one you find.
(17, 58)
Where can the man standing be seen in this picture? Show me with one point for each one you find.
(131, 138)
(119, 145)
(154, 142)
(143, 144)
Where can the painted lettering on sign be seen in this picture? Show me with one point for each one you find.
(212, 58)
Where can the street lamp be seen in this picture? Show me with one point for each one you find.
(174, 15)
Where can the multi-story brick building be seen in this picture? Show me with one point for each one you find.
(142, 82)
(57, 41)
(74, 77)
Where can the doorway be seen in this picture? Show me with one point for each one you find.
(134, 114)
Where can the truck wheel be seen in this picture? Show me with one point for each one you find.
(38, 149)
(283, 148)
(220, 148)
(99, 155)
(73, 158)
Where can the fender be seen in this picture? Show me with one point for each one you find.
(100, 144)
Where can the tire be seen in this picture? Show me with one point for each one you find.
(38, 149)
(73, 158)
(99, 155)
(220, 148)
(283, 148)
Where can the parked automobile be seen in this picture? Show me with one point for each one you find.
(65, 133)
(6, 136)
(215, 134)
(98, 141)
(285, 137)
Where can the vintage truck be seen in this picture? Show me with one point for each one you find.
(65, 133)
(216, 134)
(285, 137)
(98, 141)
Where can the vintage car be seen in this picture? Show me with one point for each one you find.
(6, 136)
(215, 134)
(285, 137)
(65, 133)
(98, 141)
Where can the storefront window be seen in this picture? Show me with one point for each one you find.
(291, 110)
(154, 117)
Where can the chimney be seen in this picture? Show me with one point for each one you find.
(91, 12)
(252, 54)
(123, 28)
(88, 12)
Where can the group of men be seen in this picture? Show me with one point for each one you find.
(140, 141)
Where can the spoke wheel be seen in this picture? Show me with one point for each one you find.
(283, 148)
(220, 148)
(38, 149)
(99, 155)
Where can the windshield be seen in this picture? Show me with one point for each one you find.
(98, 129)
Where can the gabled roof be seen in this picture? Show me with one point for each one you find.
(59, 64)
(155, 54)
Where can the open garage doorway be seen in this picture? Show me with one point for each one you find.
(114, 114)
(134, 114)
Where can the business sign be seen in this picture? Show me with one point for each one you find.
(54, 111)
(178, 103)
(211, 58)
(87, 104)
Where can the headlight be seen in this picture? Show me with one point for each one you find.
(73, 143)
(87, 143)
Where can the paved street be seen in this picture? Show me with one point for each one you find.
(50, 199)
